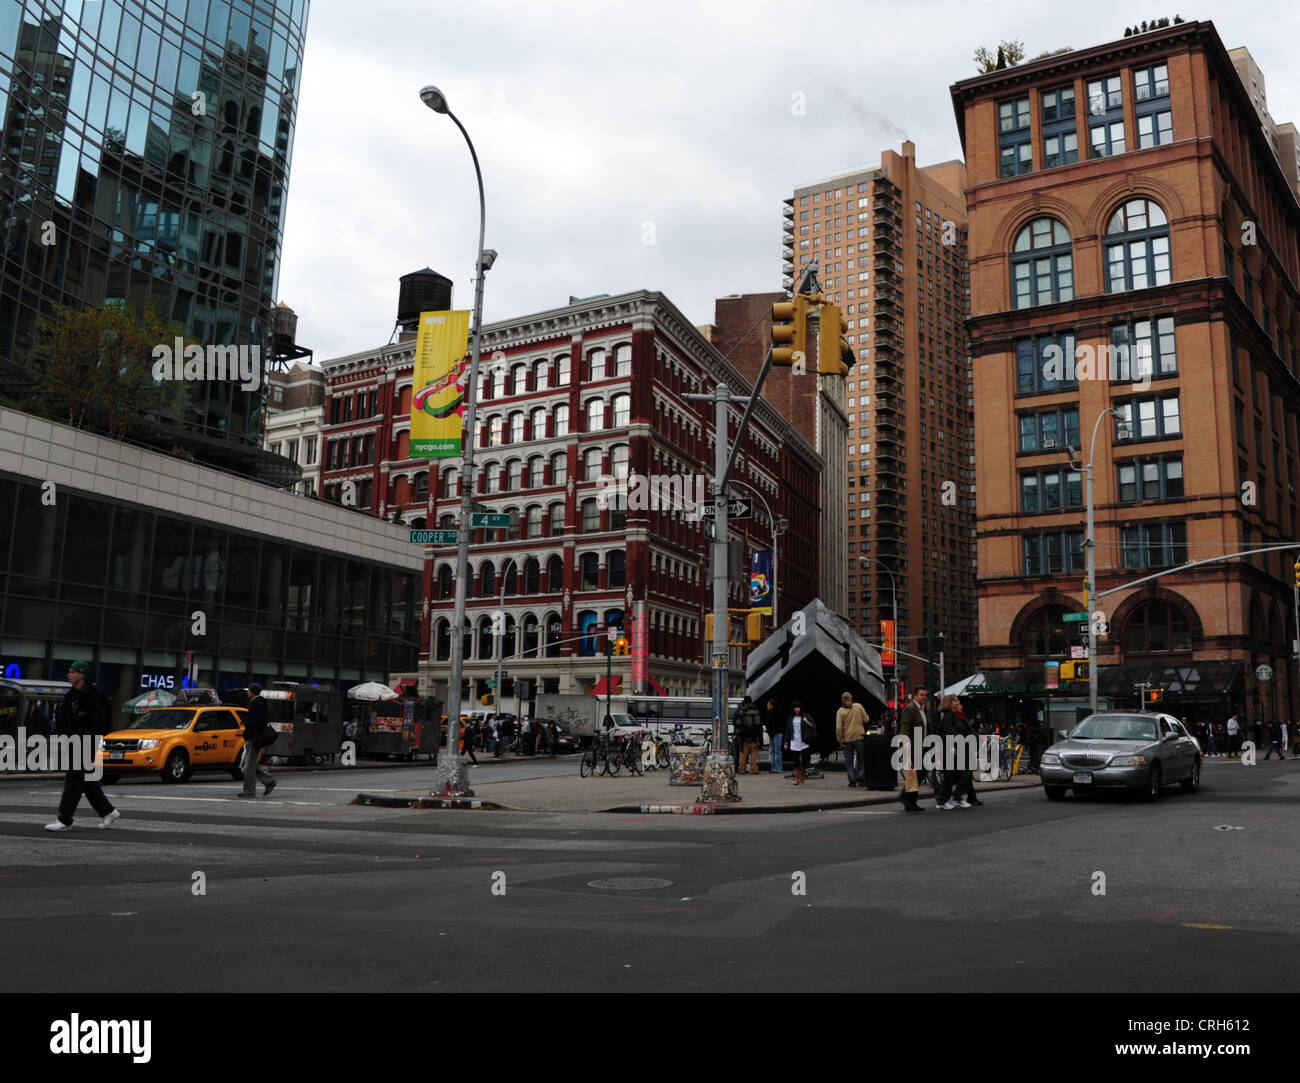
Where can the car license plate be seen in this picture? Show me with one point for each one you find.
(117, 755)
(1082, 776)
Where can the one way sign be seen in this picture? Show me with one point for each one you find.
(738, 507)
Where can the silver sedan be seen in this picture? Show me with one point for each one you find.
(1123, 750)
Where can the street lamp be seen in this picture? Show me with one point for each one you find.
(778, 527)
(866, 562)
(455, 776)
(1089, 543)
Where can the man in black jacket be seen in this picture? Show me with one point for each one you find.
(81, 714)
(774, 723)
(255, 725)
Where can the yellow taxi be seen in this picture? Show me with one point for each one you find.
(174, 742)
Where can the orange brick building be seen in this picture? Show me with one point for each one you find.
(1133, 249)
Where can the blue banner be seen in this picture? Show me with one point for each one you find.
(760, 582)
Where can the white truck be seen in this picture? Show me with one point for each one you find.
(580, 714)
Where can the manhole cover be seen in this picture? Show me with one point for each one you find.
(631, 883)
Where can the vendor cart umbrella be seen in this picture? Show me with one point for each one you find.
(148, 701)
(372, 690)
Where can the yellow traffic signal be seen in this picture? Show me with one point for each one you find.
(834, 355)
(790, 331)
(754, 627)
(708, 627)
(486, 699)
(620, 645)
(1067, 671)
(1297, 573)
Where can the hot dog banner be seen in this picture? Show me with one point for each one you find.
(441, 373)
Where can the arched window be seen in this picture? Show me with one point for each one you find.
(595, 415)
(1042, 265)
(514, 475)
(554, 633)
(590, 578)
(442, 641)
(539, 423)
(508, 640)
(484, 386)
(593, 459)
(537, 471)
(517, 427)
(561, 426)
(491, 478)
(589, 631)
(486, 640)
(498, 381)
(446, 584)
(562, 367)
(451, 483)
(595, 365)
(590, 517)
(496, 430)
(557, 520)
(512, 531)
(1155, 628)
(559, 468)
(1137, 247)
(535, 521)
(511, 577)
(617, 563)
(554, 575)
(623, 360)
(542, 374)
(531, 629)
(404, 402)
(532, 570)
(478, 429)
(618, 459)
(1047, 635)
(422, 485)
(519, 379)
(622, 411)
(447, 522)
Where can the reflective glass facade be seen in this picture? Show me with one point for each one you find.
(118, 585)
(145, 153)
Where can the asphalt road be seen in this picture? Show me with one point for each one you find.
(1199, 893)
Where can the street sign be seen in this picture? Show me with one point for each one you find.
(1070, 618)
(491, 520)
(1078, 652)
(738, 507)
(434, 537)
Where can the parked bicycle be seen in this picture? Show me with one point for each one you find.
(596, 759)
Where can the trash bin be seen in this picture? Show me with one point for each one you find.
(1040, 740)
(879, 770)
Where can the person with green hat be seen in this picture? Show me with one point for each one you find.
(82, 714)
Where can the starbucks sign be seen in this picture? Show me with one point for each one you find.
(1263, 672)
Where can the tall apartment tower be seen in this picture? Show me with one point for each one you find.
(902, 286)
(1135, 249)
(1281, 137)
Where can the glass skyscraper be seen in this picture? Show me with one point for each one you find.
(145, 153)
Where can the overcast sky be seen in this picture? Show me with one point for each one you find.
(628, 146)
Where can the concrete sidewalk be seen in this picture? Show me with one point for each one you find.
(651, 793)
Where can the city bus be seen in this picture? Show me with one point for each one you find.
(679, 719)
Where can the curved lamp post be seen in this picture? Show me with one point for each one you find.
(454, 775)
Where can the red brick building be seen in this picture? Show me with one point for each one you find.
(567, 398)
(1126, 210)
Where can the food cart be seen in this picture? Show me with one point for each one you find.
(31, 705)
(308, 720)
(402, 728)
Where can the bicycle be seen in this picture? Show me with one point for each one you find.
(596, 760)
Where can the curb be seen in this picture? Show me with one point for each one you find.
(692, 809)
(427, 802)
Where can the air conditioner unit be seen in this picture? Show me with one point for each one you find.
(1048, 444)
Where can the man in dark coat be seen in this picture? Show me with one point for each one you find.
(774, 724)
(911, 723)
(81, 714)
(255, 725)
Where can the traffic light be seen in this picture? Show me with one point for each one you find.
(1151, 696)
(486, 699)
(620, 645)
(834, 355)
(708, 627)
(1297, 573)
(1067, 671)
(790, 330)
(754, 627)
